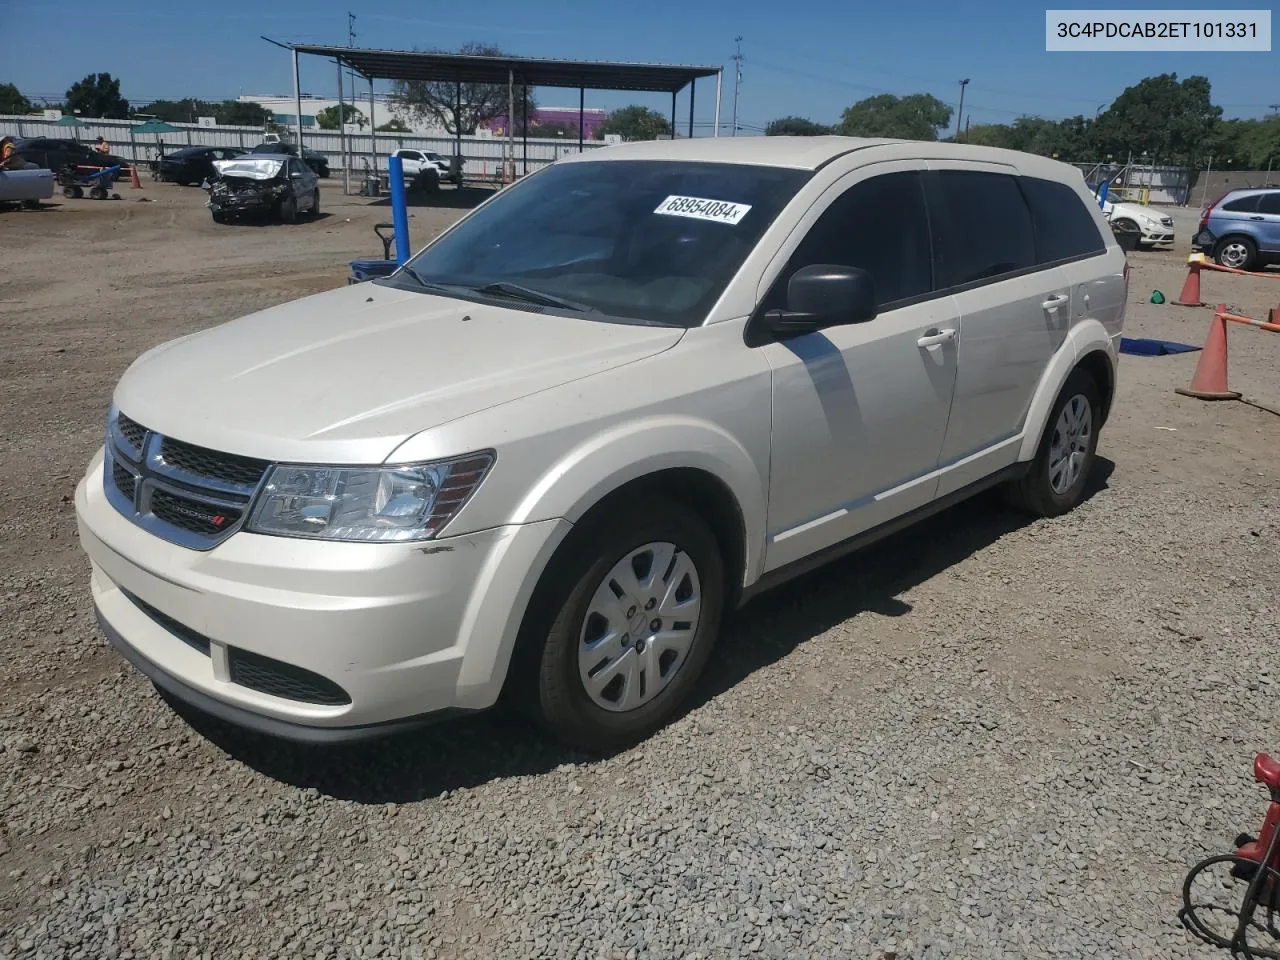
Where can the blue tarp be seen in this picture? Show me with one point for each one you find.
(1153, 348)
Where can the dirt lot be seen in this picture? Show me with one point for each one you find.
(986, 738)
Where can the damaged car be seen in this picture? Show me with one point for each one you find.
(263, 185)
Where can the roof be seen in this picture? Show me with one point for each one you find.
(811, 153)
(454, 67)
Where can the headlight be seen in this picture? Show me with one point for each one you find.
(371, 504)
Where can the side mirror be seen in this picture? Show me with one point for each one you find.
(824, 295)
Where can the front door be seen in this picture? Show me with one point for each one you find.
(1268, 220)
(860, 411)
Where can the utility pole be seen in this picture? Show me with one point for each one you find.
(960, 113)
(737, 82)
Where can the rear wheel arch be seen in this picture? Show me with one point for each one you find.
(1098, 365)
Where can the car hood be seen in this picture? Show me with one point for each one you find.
(1135, 211)
(347, 376)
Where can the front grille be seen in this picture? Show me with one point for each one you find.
(133, 432)
(280, 679)
(184, 633)
(209, 464)
(183, 493)
(125, 481)
(191, 514)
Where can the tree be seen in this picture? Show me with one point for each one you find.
(436, 101)
(990, 135)
(635, 123)
(327, 119)
(12, 100)
(1162, 118)
(394, 125)
(239, 113)
(795, 127)
(98, 95)
(918, 116)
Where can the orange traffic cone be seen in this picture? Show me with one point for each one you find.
(1210, 379)
(133, 177)
(1190, 296)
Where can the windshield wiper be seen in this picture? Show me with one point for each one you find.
(515, 291)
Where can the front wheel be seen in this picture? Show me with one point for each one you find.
(289, 209)
(1056, 480)
(631, 609)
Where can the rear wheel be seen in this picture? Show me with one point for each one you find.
(623, 625)
(315, 204)
(1239, 253)
(1056, 479)
(98, 193)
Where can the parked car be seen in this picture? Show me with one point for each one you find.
(1241, 229)
(423, 169)
(263, 185)
(317, 161)
(632, 390)
(27, 187)
(55, 154)
(1152, 226)
(194, 164)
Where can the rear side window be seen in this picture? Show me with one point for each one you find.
(1064, 227)
(880, 225)
(1270, 203)
(986, 229)
(1242, 204)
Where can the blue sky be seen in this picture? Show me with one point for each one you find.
(811, 59)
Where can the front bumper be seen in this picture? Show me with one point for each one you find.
(1157, 234)
(342, 641)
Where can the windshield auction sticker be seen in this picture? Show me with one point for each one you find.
(1145, 31)
(699, 208)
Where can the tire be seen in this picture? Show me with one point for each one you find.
(315, 205)
(219, 216)
(566, 610)
(1040, 491)
(1124, 223)
(31, 204)
(289, 210)
(1238, 252)
(98, 193)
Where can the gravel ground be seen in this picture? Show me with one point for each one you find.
(985, 738)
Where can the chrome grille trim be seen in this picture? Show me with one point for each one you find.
(208, 497)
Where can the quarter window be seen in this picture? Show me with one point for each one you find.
(1242, 204)
(986, 228)
(1064, 227)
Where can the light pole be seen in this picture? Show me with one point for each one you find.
(960, 113)
(737, 86)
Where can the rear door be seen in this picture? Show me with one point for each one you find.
(1014, 313)
(1268, 219)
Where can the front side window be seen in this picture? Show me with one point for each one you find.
(879, 225)
(986, 229)
(653, 241)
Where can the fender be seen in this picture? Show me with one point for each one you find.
(628, 451)
(1086, 336)
(563, 494)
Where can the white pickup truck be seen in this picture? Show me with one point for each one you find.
(420, 165)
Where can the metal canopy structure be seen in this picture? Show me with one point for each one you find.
(512, 71)
(533, 72)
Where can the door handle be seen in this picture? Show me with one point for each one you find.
(1257, 218)
(933, 336)
(1054, 302)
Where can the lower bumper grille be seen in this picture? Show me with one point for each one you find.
(252, 670)
(280, 679)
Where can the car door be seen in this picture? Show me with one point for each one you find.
(1014, 313)
(860, 411)
(1268, 220)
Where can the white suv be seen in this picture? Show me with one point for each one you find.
(603, 409)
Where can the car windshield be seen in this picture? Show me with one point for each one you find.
(653, 241)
